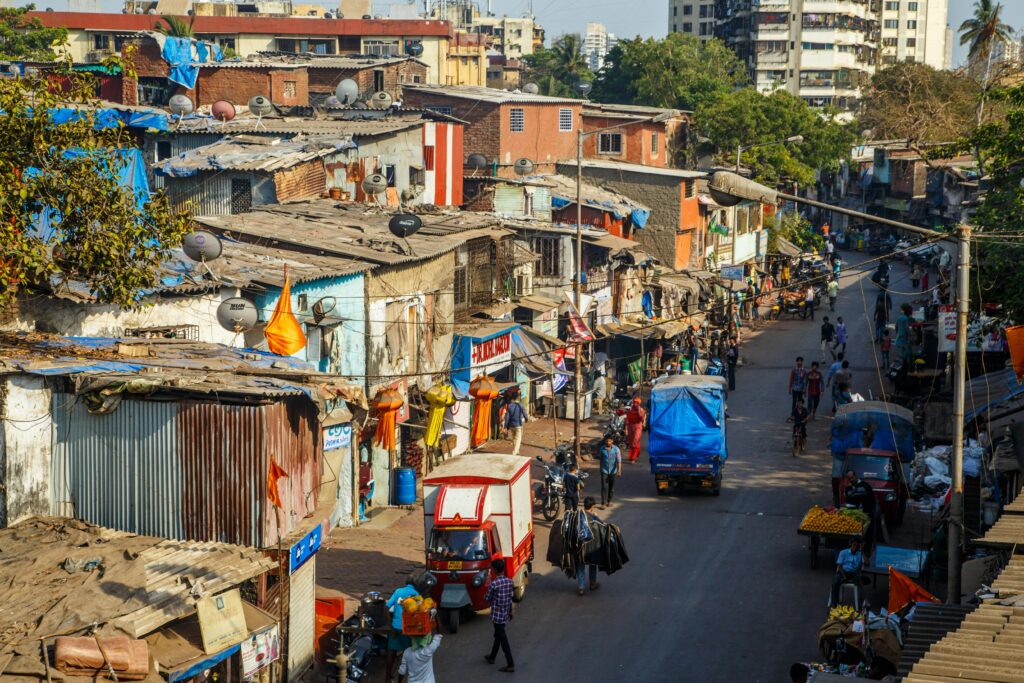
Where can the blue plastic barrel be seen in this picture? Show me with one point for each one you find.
(405, 486)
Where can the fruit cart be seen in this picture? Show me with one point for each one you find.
(831, 528)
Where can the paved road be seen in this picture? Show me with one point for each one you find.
(717, 589)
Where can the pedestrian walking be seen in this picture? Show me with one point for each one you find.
(785, 274)
(903, 349)
(924, 281)
(397, 641)
(732, 356)
(841, 383)
(814, 379)
(515, 418)
(883, 306)
(418, 659)
(915, 276)
(586, 571)
(840, 335)
(573, 484)
(611, 465)
(832, 290)
(600, 387)
(635, 418)
(499, 597)
(797, 381)
(828, 337)
(884, 348)
(809, 300)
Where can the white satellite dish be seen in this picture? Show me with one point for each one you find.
(523, 167)
(347, 91)
(237, 315)
(531, 89)
(201, 246)
(381, 100)
(374, 184)
(181, 105)
(260, 105)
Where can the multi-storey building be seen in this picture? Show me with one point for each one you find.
(1006, 54)
(914, 31)
(597, 43)
(695, 17)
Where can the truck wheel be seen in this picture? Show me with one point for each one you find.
(716, 487)
(518, 592)
(452, 620)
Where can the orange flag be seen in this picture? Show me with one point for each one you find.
(1015, 340)
(273, 475)
(903, 591)
(283, 332)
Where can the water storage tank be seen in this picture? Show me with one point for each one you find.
(405, 486)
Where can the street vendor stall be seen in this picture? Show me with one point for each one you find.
(832, 528)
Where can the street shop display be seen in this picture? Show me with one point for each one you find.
(387, 403)
(440, 397)
(484, 391)
(573, 542)
(832, 528)
(930, 480)
(851, 638)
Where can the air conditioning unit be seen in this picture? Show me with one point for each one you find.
(97, 56)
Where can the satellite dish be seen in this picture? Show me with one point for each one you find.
(404, 224)
(359, 104)
(531, 89)
(381, 100)
(181, 105)
(332, 102)
(374, 184)
(322, 307)
(583, 88)
(260, 105)
(347, 91)
(201, 246)
(414, 48)
(328, 15)
(477, 161)
(523, 167)
(223, 110)
(237, 315)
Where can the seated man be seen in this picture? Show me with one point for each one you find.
(848, 566)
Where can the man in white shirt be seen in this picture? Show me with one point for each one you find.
(809, 301)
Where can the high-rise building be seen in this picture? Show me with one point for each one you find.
(914, 31)
(695, 17)
(597, 43)
(1006, 54)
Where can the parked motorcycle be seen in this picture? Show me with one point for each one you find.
(354, 659)
(359, 645)
(616, 429)
(551, 492)
(715, 368)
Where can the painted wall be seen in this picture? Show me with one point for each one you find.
(349, 358)
(209, 193)
(25, 448)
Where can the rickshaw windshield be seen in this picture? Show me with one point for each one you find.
(458, 544)
(871, 467)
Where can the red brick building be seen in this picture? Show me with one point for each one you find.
(505, 126)
(648, 136)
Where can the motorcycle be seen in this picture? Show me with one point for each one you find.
(715, 368)
(358, 645)
(551, 492)
(354, 659)
(616, 429)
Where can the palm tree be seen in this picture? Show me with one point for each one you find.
(175, 27)
(983, 31)
(569, 63)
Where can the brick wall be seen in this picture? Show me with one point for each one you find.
(541, 141)
(305, 181)
(482, 133)
(324, 81)
(637, 147)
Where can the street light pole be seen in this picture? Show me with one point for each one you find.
(578, 291)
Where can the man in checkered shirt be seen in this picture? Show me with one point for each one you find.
(499, 597)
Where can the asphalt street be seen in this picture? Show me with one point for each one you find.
(717, 589)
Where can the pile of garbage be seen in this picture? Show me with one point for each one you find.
(930, 479)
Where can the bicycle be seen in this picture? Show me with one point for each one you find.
(799, 440)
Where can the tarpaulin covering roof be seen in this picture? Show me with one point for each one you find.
(989, 390)
(296, 125)
(687, 419)
(889, 426)
(488, 95)
(532, 350)
(564, 194)
(138, 584)
(112, 115)
(250, 153)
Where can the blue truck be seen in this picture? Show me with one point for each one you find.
(686, 443)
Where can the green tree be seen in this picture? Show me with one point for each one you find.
(982, 31)
(678, 72)
(25, 37)
(746, 117)
(101, 236)
(175, 27)
(915, 102)
(557, 70)
(795, 228)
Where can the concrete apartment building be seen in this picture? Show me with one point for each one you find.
(1006, 54)
(824, 51)
(597, 43)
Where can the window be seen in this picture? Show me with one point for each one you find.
(378, 80)
(241, 196)
(675, 28)
(318, 46)
(704, 11)
(911, 42)
(609, 143)
(912, 23)
(163, 150)
(892, 6)
(289, 88)
(654, 144)
(691, 189)
(447, 111)
(565, 120)
(517, 119)
(687, 27)
(461, 296)
(101, 41)
(891, 23)
(550, 250)
(687, 10)
(890, 42)
(911, 6)
(675, 11)
(703, 29)
(384, 48)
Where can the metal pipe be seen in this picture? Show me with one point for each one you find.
(578, 290)
(956, 504)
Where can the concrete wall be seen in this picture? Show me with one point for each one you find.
(68, 318)
(26, 430)
(402, 150)
(637, 146)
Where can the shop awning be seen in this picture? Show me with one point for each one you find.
(540, 304)
(990, 390)
(787, 248)
(480, 349)
(533, 351)
(652, 330)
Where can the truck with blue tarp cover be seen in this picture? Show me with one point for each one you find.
(686, 443)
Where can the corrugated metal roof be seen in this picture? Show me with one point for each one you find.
(250, 153)
(298, 126)
(361, 233)
(490, 95)
(1016, 507)
(593, 196)
(634, 168)
(143, 582)
(1008, 530)
(984, 649)
(632, 110)
(931, 623)
(1011, 580)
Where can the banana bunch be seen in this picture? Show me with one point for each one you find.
(820, 520)
(842, 613)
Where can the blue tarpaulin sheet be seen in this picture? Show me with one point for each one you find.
(178, 53)
(559, 202)
(872, 424)
(465, 367)
(640, 217)
(687, 420)
(112, 118)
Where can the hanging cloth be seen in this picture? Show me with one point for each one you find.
(284, 333)
(440, 398)
(484, 391)
(388, 403)
(1015, 340)
(647, 303)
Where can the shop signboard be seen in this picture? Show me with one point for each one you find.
(947, 329)
(490, 355)
(303, 550)
(221, 621)
(745, 247)
(337, 436)
(259, 650)
(731, 272)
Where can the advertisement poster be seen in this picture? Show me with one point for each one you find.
(947, 329)
(259, 651)
(337, 436)
(731, 273)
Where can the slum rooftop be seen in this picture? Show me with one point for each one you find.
(634, 168)
(251, 153)
(629, 111)
(489, 95)
(334, 126)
